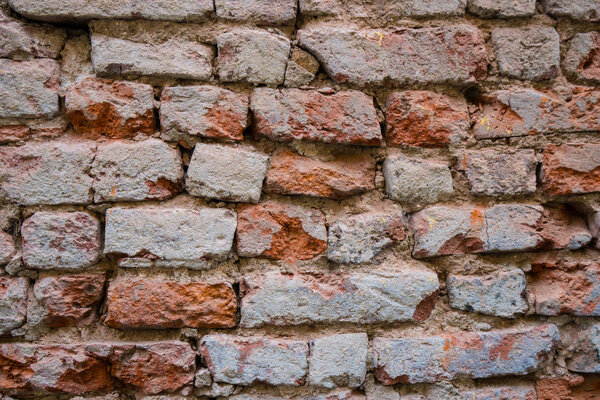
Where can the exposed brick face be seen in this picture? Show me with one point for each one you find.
(571, 168)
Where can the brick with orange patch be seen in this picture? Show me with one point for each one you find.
(571, 168)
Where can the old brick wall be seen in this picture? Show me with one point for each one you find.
(309, 200)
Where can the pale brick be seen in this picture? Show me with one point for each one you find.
(444, 230)
(375, 391)
(582, 61)
(338, 360)
(29, 89)
(316, 298)
(527, 53)
(466, 355)
(415, 182)
(131, 171)
(13, 303)
(571, 168)
(450, 55)
(523, 391)
(501, 293)
(280, 231)
(361, 239)
(501, 173)
(139, 48)
(388, 11)
(425, 119)
(248, 360)
(7, 248)
(155, 303)
(345, 117)
(523, 112)
(9, 216)
(252, 56)
(115, 109)
(21, 41)
(47, 173)
(268, 12)
(226, 173)
(83, 10)
(61, 240)
(586, 355)
(501, 8)
(347, 175)
(579, 10)
(178, 234)
(301, 69)
(204, 111)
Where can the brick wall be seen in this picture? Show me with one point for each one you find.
(309, 200)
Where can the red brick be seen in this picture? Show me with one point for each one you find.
(571, 168)
(582, 61)
(154, 303)
(556, 388)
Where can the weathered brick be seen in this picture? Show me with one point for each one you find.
(130, 171)
(466, 355)
(75, 10)
(387, 11)
(301, 69)
(29, 89)
(346, 117)
(360, 239)
(252, 56)
(226, 173)
(567, 288)
(21, 133)
(280, 231)
(68, 300)
(347, 175)
(61, 240)
(444, 230)
(337, 394)
(501, 293)
(7, 248)
(586, 355)
(521, 112)
(522, 391)
(415, 182)
(115, 109)
(13, 304)
(527, 53)
(449, 55)
(579, 10)
(338, 360)
(46, 173)
(553, 389)
(155, 303)
(501, 173)
(172, 234)
(21, 41)
(425, 119)
(501, 8)
(138, 48)
(248, 360)
(268, 12)
(365, 298)
(571, 168)
(205, 111)
(582, 61)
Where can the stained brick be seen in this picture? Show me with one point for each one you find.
(338, 360)
(582, 61)
(21, 41)
(156, 303)
(347, 175)
(309, 298)
(579, 10)
(501, 8)
(269, 12)
(450, 55)
(585, 354)
(467, 355)
(13, 304)
(571, 168)
(425, 119)
(384, 11)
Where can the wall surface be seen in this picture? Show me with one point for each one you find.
(309, 200)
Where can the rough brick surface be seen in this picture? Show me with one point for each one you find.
(252, 56)
(307, 298)
(280, 231)
(492, 173)
(383, 11)
(582, 61)
(425, 119)
(205, 111)
(243, 361)
(453, 55)
(145, 303)
(29, 89)
(520, 391)
(529, 53)
(338, 360)
(571, 168)
(586, 357)
(21, 41)
(472, 354)
(578, 10)
(13, 303)
(61, 240)
(501, 8)
(46, 173)
(278, 12)
(226, 173)
(170, 234)
(7, 250)
(347, 117)
(116, 109)
(500, 293)
(291, 173)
